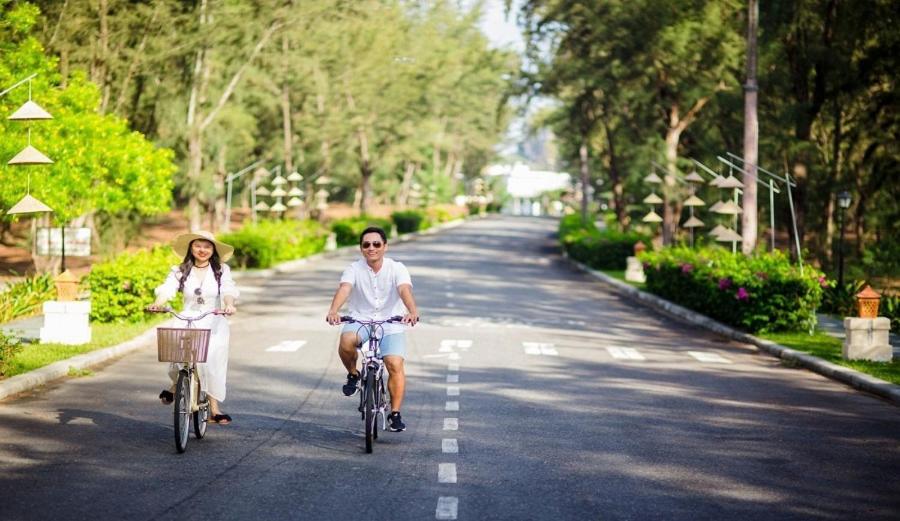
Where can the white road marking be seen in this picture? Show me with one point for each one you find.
(449, 446)
(288, 346)
(451, 406)
(446, 349)
(464, 344)
(625, 353)
(451, 305)
(449, 294)
(452, 378)
(451, 424)
(452, 366)
(454, 356)
(709, 357)
(447, 473)
(452, 390)
(446, 507)
(539, 348)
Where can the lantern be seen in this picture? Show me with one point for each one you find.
(867, 301)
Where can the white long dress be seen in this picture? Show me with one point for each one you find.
(213, 372)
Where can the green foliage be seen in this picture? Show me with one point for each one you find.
(605, 250)
(760, 293)
(121, 288)
(100, 165)
(347, 230)
(10, 346)
(269, 242)
(409, 221)
(24, 298)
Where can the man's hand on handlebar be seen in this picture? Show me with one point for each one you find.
(333, 318)
(411, 319)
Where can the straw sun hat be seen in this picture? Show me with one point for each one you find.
(183, 242)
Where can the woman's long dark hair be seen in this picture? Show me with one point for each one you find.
(185, 267)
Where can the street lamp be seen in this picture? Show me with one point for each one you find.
(844, 200)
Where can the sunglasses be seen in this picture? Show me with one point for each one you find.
(199, 298)
(375, 245)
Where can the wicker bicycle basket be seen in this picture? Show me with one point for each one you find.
(183, 345)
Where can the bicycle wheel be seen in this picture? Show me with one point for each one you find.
(182, 413)
(202, 412)
(370, 410)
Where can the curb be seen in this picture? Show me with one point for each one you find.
(856, 379)
(31, 379)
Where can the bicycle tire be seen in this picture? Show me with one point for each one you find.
(202, 412)
(379, 406)
(369, 410)
(182, 410)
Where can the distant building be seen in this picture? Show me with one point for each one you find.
(528, 189)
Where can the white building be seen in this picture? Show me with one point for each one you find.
(526, 188)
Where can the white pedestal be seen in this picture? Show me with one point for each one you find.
(634, 272)
(867, 339)
(331, 242)
(66, 323)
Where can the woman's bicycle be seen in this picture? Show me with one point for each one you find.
(186, 346)
(372, 396)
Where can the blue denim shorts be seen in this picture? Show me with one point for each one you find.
(391, 345)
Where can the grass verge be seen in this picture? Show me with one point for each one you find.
(829, 348)
(34, 356)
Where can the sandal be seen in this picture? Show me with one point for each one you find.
(166, 398)
(221, 419)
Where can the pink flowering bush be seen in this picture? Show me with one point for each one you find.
(763, 292)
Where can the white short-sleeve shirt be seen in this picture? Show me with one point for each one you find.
(375, 296)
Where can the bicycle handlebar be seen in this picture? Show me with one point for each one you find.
(393, 319)
(188, 319)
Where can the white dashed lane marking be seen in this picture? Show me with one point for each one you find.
(288, 346)
(452, 366)
(709, 357)
(452, 378)
(449, 446)
(452, 391)
(446, 507)
(625, 353)
(451, 424)
(451, 406)
(539, 348)
(447, 473)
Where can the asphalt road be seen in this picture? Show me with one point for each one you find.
(533, 394)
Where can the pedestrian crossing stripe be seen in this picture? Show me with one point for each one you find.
(625, 353)
(709, 357)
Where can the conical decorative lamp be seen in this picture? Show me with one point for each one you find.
(278, 207)
(295, 192)
(728, 235)
(30, 111)
(693, 222)
(729, 208)
(29, 204)
(294, 201)
(262, 190)
(324, 180)
(261, 172)
(278, 192)
(652, 217)
(717, 229)
(653, 178)
(694, 201)
(717, 181)
(295, 176)
(261, 206)
(694, 177)
(653, 199)
(730, 182)
(278, 181)
(30, 156)
(715, 206)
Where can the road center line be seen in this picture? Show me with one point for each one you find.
(709, 357)
(451, 424)
(449, 446)
(452, 378)
(287, 346)
(447, 473)
(452, 390)
(625, 353)
(451, 406)
(446, 507)
(452, 366)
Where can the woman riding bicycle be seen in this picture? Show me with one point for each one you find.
(205, 281)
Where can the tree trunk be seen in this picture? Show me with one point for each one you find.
(102, 71)
(286, 108)
(615, 178)
(670, 219)
(749, 218)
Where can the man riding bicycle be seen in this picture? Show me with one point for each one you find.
(377, 288)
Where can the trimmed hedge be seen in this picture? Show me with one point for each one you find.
(761, 293)
(122, 287)
(604, 250)
(10, 346)
(347, 230)
(269, 242)
(408, 221)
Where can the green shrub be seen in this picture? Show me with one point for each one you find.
(10, 345)
(761, 293)
(408, 221)
(890, 308)
(269, 242)
(347, 230)
(24, 298)
(605, 250)
(122, 287)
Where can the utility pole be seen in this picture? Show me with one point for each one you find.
(751, 135)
